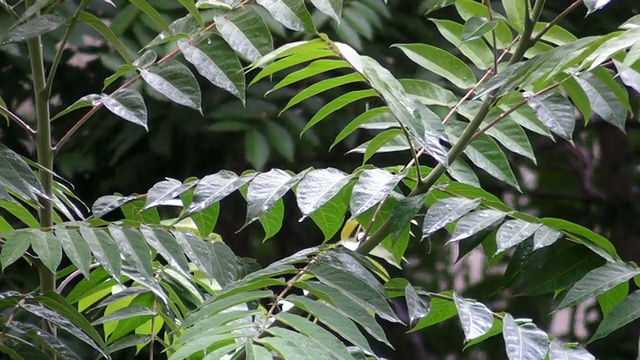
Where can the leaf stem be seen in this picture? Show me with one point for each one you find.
(494, 38)
(17, 120)
(61, 46)
(10, 10)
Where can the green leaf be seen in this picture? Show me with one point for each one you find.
(223, 263)
(255, 352)
(475, 318)
(64, 324)
(280, 139)
(16, 244)
(193, 10)
(512, 136)
(315, 68)
(265, 190)
(128, 312)
(47, 341)
(127, 104)
(165, 191)
(16, 176)
(134, 249)
(380, 141)
(330, 216)
(20, 212)
(127, 342)
(106, 33)
(476, 27)
(356, 282)
(48, 249)
(167, 246)
(36, 26)
(289, 49)
(108, 203)
(445, 212)
(216, 62)
(291, 61)
(485, 154)
(290, 13)
(549, 269)
(152, 13)
(625, 312)
(441, 310)
(525, 341)
(475, 50)
(516, 13)
(578, 97)
(104, 249)
(417, 307)
(213, 188)
(372, 187)
(245, 31)
(333, 8)
(196, 250)
(470, 8)
(595, 5)
(441, 63)
(372, 115)
(598, 240)
(175, 81)
(206, 219)
(558, 351)
(318, 334)
(337, 104)
(318, 187)
(475, 222)
(513, 232)
(460, 171)
(605, 96)
(545, 236)
(429, 93)
(403, 212)
(322, 86)
(613, 297)
(332, 319)
(256, 149)
(598, 281)
(302, 347)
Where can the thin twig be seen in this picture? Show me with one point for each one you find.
(556, 20)
(17, 120)
(72, 276)
(10, 319)
(494, 38)
(10, 10)
(153, 327)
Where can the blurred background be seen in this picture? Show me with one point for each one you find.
(594, 184)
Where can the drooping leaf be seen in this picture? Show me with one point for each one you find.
(607, 98)
(167, 247)
(557, 351)
(217, 62)
(16, 176)
(462, 172)
(441, 63)
(372, 187)
(245, 31)
(524, 341)
(477, 27)
(175, 81)
(213, 188)
(333, 8)
(104, 249)
(134, 248)
(48, 342)
(127, 104)
(333, 319)
(265, 190)
(417, 307)
(513, 232)
(475, 222)
(485, 154)
(445, 212)
(16, 244)
(196, 250)
(403, 212)
(625, 312)
(290, 13)
(75, 248)
(599, 281)
(475, 317)
(47, 247)
(34, 27)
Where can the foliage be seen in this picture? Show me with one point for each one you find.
(160, 278)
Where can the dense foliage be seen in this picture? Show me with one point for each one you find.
(150, 273)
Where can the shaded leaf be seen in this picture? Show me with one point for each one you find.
(76, 248)
(16, 244)
(417, 307)
(104, 249)
(625, 312)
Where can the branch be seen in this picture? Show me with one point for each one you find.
(556, 20)
(17, 120)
